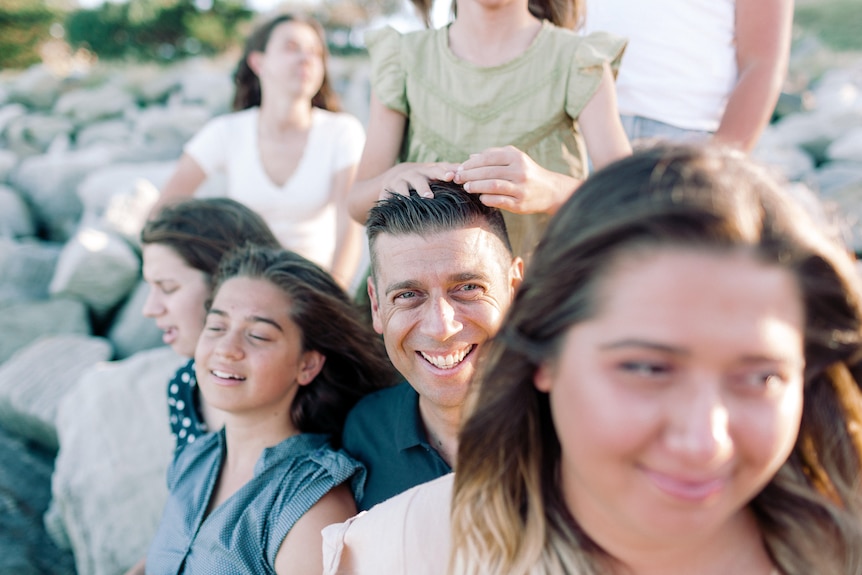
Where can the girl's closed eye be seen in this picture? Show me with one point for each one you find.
(214, 325)
(260, 335)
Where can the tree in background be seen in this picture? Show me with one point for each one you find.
(157, 29)
(24, 25)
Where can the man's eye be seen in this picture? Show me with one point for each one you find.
(406, 295)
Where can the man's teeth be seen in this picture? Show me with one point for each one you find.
(448, 361)
(226, 375)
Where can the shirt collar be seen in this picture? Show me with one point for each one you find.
(409, 430)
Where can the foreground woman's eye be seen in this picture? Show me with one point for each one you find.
(644, 368)
(762, 379)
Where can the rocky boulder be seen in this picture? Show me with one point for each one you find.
(35, 379)
(109, 487)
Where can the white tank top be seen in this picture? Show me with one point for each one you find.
(680, 63)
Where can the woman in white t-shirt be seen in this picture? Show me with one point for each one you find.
(286, 151)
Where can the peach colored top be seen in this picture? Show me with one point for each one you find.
(408, 534)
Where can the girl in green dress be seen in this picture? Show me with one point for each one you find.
(505, 100)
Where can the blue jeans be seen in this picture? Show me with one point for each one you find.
(640, 128)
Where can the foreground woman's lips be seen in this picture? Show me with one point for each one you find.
(686, 488)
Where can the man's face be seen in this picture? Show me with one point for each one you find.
(436, 299)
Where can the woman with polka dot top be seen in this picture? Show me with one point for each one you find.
(182, 247)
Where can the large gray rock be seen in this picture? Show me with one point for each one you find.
(35, 379)
(839, 89)
(34, 133)
(152, 84)
(8, 161)
(792, 162)
(847, 147)
(117, 132)
(115, 446)
(22, 324)
(813, 131)
(25, 491)
(50, 181)
(26, 269)
(170, 127)
(130, 331)
(210, 87)
(87, 105)
(36, 87)
(10, 112)
(840, 185)
(837, 177)
(16, 221)
(98, 268)
(120, 196)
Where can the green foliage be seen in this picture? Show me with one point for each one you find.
(24, 25)
(157, 29)
(838, 23)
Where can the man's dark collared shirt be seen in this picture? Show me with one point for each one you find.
(385, 432)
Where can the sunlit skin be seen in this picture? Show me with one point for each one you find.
(292, 62)
(437, 299)
(676, 403)
(177, 296)
(249, 358)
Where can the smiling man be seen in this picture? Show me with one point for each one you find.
(442, 277)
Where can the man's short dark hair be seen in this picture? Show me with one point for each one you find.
(451, 208)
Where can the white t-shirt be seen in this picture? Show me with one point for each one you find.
(680, 63)
(302, 212)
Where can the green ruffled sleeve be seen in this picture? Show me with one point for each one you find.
(591, 54)
(388, 79)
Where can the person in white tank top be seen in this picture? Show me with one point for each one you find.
(698, 69)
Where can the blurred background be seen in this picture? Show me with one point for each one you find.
(166, 30)
(97, 99)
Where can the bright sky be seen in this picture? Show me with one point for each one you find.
(439, 14)
(259, 5)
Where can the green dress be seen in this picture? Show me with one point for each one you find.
(455, 108)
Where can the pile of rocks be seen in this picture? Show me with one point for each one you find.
(816, 141)
(81, 160)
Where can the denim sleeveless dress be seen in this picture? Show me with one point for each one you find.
(243, 534)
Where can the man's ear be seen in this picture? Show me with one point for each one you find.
(516, 274)
(376, 322)
(311, 364)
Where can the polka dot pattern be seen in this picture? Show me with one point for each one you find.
(187, 422)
